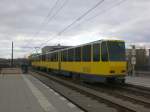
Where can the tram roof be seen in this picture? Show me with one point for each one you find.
(94, 42)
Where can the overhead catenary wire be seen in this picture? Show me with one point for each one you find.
(82, 16)
(46, 18)
(79, 18)
(53, 16)
(56, 13)
(102, 12)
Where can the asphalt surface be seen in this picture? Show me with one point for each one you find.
(138, 80)
(24, 93)
(11, 71)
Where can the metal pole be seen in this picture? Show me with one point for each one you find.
(133, 70)
(133, 59)
(12, 55)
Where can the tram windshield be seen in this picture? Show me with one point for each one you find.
(116, 51)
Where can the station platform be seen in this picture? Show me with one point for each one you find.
(138, 80)
(11, 71)
(24, 93)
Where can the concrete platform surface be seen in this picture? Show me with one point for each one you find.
(136, 80)
(24, 93)
(11, 71)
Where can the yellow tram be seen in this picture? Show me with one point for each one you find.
(95, 61)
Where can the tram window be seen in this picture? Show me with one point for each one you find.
(104, 52)
(40, 58)
(61, 56)
(78, 54)
(116, 51)
(56, 57)
(96, 52)
(43, 57)
(71, 55)
(86, 53)
(37, 58)
(49, 57)
(65, 55)
(46, 57)
(52, 56)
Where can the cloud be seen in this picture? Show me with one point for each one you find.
(21, 20)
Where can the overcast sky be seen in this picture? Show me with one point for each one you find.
(29, 23)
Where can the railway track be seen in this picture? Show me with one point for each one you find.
(142, 74)
(125, 92)
(94, 98)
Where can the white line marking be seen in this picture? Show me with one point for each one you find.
(51, 90)
(71, 105)
(45, 104)
(81, 111)
(62, 98)
(45, 86)
(56, 94)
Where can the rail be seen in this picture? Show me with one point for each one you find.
(122, 103)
